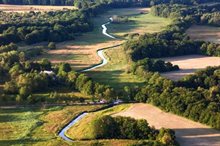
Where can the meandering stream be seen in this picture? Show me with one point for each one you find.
(104, 61)
(100, 52)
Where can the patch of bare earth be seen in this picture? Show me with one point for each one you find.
(206, 33)
(83, 56)
(188, 133)
(189, 64)
(36, 8)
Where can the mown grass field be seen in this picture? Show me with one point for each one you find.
(84, 128)
(142, 23)
(36, 126)
(114, 73)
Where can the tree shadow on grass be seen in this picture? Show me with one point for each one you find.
(115, 79)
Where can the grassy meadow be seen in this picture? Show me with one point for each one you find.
(85, 130)
(114, 73)
(36, 126)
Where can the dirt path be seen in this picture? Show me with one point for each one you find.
(188, 133)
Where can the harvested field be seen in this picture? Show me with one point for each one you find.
(188, 133)
(189, 64)
(206, 33)
(36, 8)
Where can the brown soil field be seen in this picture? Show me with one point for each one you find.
(36, 8)
(188, 133)
(206, 33)
(189, 64)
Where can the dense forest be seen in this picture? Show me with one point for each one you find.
(52, 26)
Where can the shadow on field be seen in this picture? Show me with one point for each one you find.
(177, 75)
(198, 136)
(117, 79)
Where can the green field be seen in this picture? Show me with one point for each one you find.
(36, 126)
(85, 130)
(143, 23)
(114, 73)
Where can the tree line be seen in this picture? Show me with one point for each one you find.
(50, 26)
(107, 127)
(113, 3)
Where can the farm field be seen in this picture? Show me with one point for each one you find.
(189, 64)
(28, 8)
(36, 126)
(206, 33)
(81, 52)
(187, 132)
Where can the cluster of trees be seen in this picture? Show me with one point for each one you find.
(162, 45)
(211, 18)
(196, 102)
(38, 2)
(107, 127)
(50, 26)
(7, 48)
(154, 65)
(202, 14)
(113, 3)
(208, 78)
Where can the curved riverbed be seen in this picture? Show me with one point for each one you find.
(100, 52)
(64, 130)
(104, 62)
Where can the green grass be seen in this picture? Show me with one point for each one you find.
(143, 23)
(114, 73)
(84, 128)
(36, 126)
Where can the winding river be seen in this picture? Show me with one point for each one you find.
(104, 62)
(100, 51)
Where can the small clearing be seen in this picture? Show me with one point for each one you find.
(189, 64)
(188, 133)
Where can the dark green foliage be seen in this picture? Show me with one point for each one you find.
(154, 65)
(52, 46)
(196, 97)
(48, 26)
(108, 127)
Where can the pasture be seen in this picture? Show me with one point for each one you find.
(35, 8)
(187, 132)
(114, 73)
(36, 126)
(189, 64)
(205, 33)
